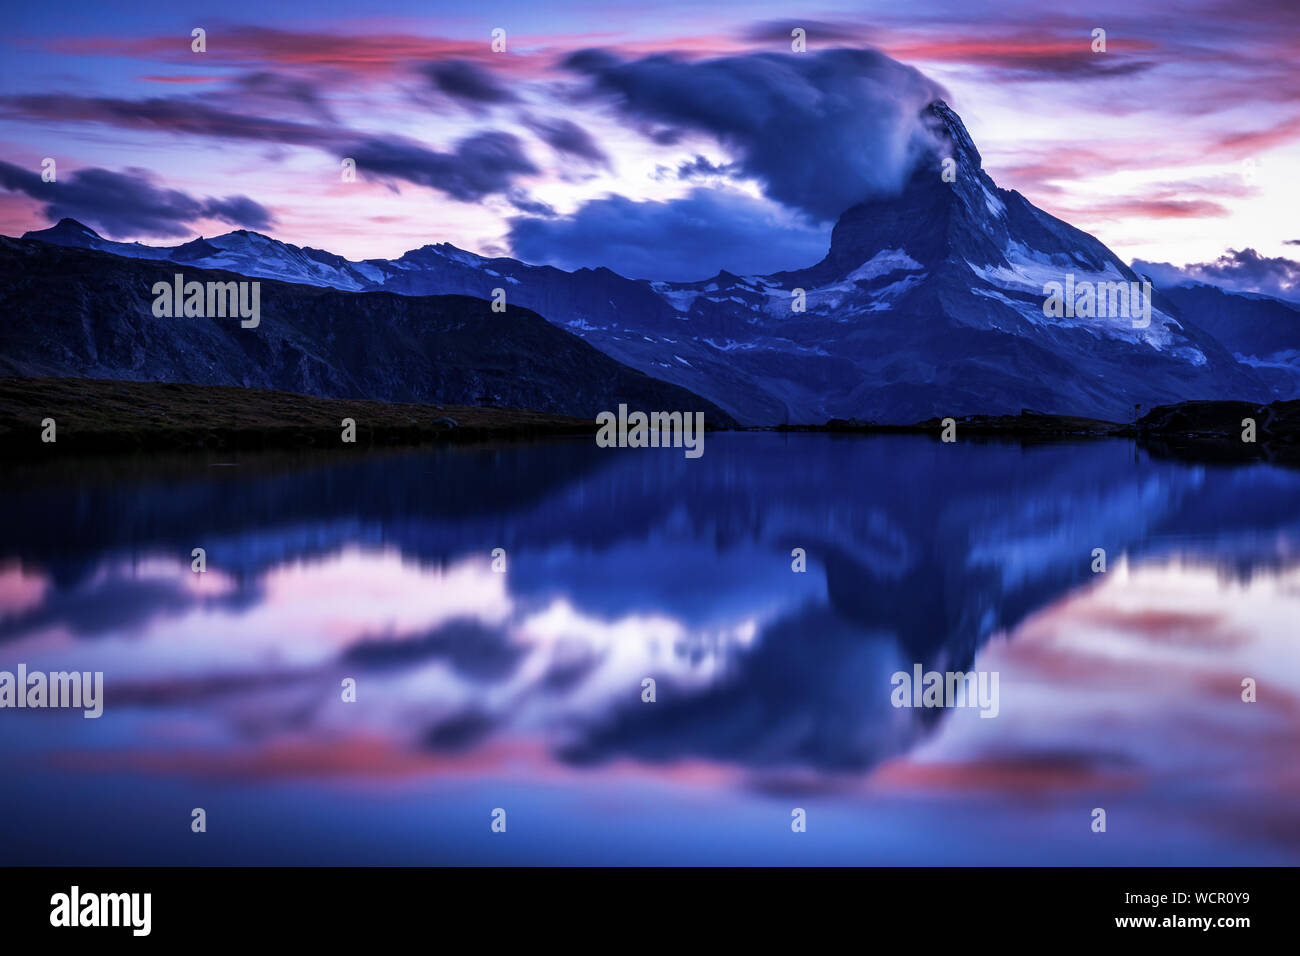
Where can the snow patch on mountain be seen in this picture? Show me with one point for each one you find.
(1030, 273)
(679, 299)
(883, 263)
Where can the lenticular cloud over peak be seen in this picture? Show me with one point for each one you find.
(820, 131)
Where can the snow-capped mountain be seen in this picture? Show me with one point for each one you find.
(1260, 330)
(927, 303)
(242, 251)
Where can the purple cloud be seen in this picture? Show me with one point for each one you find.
(821, 131)
(682, 239)
(467, 83)
(567, 137)
(479, 165)
(128, 203)
(1242, 270)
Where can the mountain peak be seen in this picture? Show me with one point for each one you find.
(948, 208)
(194, 249)
(951, 211)
(67, 222)
(252, 234)
(941, 120)
(65, 229)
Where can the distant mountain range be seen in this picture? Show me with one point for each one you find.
(928, 303)
(81, 313)
(1259, 330)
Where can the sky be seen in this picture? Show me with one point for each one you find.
(665, 139)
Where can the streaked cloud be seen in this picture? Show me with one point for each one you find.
(130, 203)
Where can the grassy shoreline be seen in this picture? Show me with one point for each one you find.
(105, 416)
(102, 416)
(1193, 430)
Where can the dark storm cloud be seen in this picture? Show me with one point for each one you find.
(467, 83)
(472, 649)
(479, 165)
(129, 203)
(239, 210)
(529, 205)
(183, 115)
(682, 239)
(695, 169)
(1242, 270)
(566, 136)
(820, 131)
(779, 31)
(265, 90)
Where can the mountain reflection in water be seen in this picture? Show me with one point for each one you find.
(522, 690)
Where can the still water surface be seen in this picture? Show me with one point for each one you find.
(522, 690)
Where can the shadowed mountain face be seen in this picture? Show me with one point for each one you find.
(1259, 330)
(928, 303)
(88, 314)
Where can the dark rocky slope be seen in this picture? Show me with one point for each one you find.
(73, 312)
